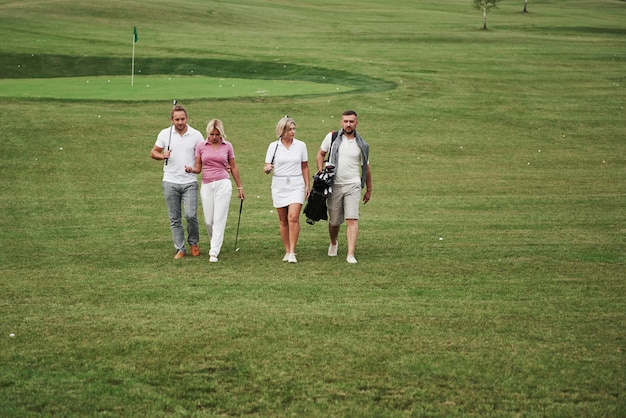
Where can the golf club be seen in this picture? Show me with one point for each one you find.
(171, 126)
(238, 223)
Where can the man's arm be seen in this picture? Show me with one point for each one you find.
(368, 185)
(319, 159)
(158, 154)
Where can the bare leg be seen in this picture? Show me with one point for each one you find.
(333, 233)
(284, 226)
(352, 233)
(294, 225)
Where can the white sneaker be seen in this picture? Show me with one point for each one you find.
(332, 249)
(350, 259)
(286, 257)
(212, 257)
(292, 258)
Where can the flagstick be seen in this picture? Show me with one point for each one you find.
(132, 75)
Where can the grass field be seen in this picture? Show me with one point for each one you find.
(158, 88)
(491, 258)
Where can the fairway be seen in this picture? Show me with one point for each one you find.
(158, 88)
(491, 274)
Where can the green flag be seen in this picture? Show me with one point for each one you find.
(135, 33)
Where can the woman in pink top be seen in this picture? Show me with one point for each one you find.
(215, 158)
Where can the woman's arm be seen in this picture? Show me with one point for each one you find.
(195, 169)
(235, 172)
(306, 175)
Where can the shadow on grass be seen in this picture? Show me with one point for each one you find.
(50, 66)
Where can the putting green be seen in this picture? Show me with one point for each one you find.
(159, 87)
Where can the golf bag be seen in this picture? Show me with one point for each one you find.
(316, 208)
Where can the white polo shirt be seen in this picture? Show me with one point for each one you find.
(183, 152)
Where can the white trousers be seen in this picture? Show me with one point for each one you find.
(215, 203)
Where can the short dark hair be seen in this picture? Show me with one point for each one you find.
(349, 113)
(178, 108)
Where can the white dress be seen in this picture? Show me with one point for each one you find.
(287, 181)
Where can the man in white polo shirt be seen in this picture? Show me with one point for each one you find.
(177, 147)
(349, 154)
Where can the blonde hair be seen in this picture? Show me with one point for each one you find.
(216, 124)
(283, 125)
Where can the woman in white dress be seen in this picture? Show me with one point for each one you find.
(288, 158)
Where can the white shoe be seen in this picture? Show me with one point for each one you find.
(350, 259)
(292, 258)
(332, 249)
(286, 257)
(212, 257)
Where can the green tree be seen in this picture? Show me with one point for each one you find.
(485, 6)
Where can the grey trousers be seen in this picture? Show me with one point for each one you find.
(177, 198)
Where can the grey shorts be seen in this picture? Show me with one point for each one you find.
(343, 203)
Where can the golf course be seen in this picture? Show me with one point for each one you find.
(491, 274)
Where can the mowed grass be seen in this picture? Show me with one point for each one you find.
(491, 258)
(158, 88)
